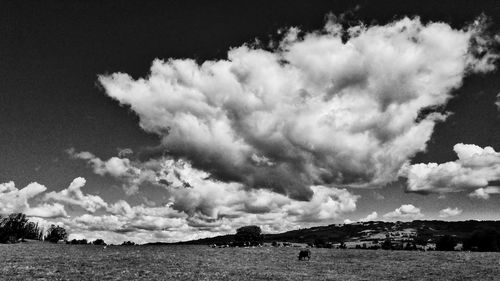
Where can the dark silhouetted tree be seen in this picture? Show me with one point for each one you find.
(248, 236)
(410, 246)
(78, 242)
(13, 227)
(99, 242)
(387, 244)
(56, 233)
(424, 234)
(319, 242)
(484, 240)
(446, 243)
(32, 231)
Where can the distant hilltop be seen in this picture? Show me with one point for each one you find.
(418, 234)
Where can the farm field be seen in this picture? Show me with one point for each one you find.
(44, 261)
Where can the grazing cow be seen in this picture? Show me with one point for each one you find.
(303, 254)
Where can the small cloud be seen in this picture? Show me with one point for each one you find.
(405, 212)
(131, 173)
(449, 212)
(378, 196)
(123, 153)
(371, 217)
(484, 193)
(348, 221)
(475, 168)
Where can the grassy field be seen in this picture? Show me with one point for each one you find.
(44, 261)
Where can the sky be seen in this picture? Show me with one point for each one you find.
(177, 120)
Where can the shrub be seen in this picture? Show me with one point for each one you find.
(78, 242)
(56, 233)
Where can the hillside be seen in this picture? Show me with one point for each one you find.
(370, 231)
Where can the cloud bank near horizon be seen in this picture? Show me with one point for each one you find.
(206, 208)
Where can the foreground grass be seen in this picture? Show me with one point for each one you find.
(44, 261)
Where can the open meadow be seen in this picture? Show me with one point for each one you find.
(46, 261)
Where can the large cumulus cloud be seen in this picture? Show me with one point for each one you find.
(316, 110)
(475, 169)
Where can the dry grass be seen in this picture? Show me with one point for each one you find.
(45, 261)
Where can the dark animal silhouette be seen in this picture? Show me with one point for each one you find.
(303, 254)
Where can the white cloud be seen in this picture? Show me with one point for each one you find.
(45, 210)
(474, 168)
(314, 111)
(371, 217)
(13, 200)
(114, 166)
(73, 195)
(484, 193)
(405, 212)
(348, 221)
(132, 173)
(449, 212)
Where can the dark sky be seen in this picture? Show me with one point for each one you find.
(51, 53)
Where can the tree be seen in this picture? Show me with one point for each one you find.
(484, 240)
(387, 244)
(319, 242)
(248, 236)
(56, 233)
(99, 242)
(12, 227)
(32, 231)
(78, 242)
(446, 243)
(424, 234)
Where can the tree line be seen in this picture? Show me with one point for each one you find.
(16, 227)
